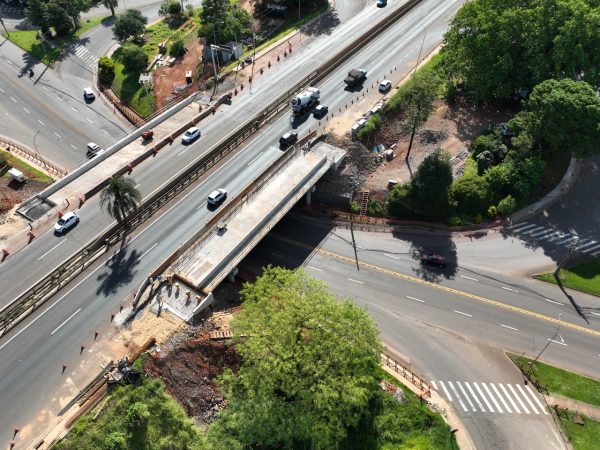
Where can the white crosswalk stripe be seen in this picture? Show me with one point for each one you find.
(491, 398)
(532, 231)
(85, 55)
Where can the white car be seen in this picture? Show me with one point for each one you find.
(190, 135)
(217, 196)
(94, 148)
(65, 222)
(385, 86)
(88, 94)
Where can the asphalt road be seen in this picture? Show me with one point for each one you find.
(155, 172)
(453, 339)
(34, 353)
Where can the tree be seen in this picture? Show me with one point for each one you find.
(134, 58)
(129, 24)
(177, 48)
(309, 369)
(525, 175)
(59, 18)
(499, 47)
(417, 103)
(488, 150)
(213, 17)
(106, 70)
(399, 200)
(565, 116)
(73, 8)
(471, 194)
(507, 205)
(111, 4)
(120, 198)
(170, 8)
(431, 183)
(498, 180)
(137, 415)
(115, 441)
(36, 13)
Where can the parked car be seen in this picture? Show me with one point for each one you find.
(320, 111)
(289, 138)
(217, 196)
(88, 94)
(385, 86)
(431, 259)
(67, 221)
(190, 135)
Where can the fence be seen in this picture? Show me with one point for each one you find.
(407, 374)
(50, 167)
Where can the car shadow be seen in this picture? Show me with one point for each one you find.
(120, 270)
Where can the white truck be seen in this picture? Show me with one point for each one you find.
(305, 101)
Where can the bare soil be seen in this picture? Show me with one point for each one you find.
(450, 127)
(11, 195)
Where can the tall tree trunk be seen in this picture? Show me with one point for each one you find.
(112, 9)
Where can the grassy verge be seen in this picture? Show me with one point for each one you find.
(584, 277)
(584, 437)
(28, 41)
(129, 90)
(30, 172)
(135, 417)
(563, 382)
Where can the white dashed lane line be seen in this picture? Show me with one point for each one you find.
(463, 313)
(415, 299)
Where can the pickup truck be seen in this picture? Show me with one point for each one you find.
(355, 76)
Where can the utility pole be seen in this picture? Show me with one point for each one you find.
(4, 26)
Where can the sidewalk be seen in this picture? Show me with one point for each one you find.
(591, 411)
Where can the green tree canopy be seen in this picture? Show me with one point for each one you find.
(62, 15)
(500, 47)
(106, 70)
(223, 22)
(563, 115)
(309, 366)
(431, 183)
(471, 194)
(111, 4)
(120, 198)
(134, 58)
(170, 8)
(129, 24)
(488, 150)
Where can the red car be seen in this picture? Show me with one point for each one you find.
(431, 259)
(148, 134)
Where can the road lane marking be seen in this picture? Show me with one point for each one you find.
(146, 252)
(439, 287)
(27, 111)
(579, 247)
(474, 396)
(521, 227)
(487, 403)
(512, 389)
(390, 256)
(509, 327)
(73, 146)
(255, 158)
(492, 397)
(88, 120)
(201, 205)
(462, 313)
(415, 299)
(469, 278)
(59, 98)
(315, 268)
(596, 314)
(74, 109)
(529, 402)
(57, 135)
(509, 289)
(13, 99)
(552, 301)
(446, 391)
(278, 255)
(60, 243)
(466, 396)
(557, 342)
(537, 400)
(105, 131)
(68, 318)
(356, 281)
(45, 88)
(462, 405)
(2, 90)
(41, 122)
(534, 230)
(500, 395)
(572, 238)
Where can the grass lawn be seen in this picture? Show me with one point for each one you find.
(563, 382)
(135, 417)
(30, 172)
(29, 41)
(584, 437)
(584, 277)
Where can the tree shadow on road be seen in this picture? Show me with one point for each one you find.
(120, 270)
(325, 25)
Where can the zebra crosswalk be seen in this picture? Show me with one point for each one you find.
(496, 398)
(85, 55)
(549, 234)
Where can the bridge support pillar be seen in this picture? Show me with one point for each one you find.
(308, 195)
(232, 274)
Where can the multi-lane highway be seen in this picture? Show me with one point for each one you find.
(33, 353)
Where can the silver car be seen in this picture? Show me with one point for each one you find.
(190, 135)
(216, 196)
(67, 221)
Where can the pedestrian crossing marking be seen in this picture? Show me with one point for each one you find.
(556, 237)
(498, 398)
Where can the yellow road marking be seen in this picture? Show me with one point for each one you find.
(475, 297)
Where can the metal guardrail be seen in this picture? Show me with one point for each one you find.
(38, 159)
(31, 299)
(408, 374)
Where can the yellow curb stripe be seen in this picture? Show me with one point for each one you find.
(478, 298)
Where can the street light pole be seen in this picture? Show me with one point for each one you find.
(4, 26)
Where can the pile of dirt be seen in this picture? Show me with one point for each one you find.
(189, 362)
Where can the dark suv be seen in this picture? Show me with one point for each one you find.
(431, 259)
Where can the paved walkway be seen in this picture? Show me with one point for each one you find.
(591, 411)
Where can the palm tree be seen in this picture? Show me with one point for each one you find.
(120, 198)
(111, 4)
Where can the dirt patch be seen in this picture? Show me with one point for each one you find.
(450, 127)
(11, 196)
(189, 363)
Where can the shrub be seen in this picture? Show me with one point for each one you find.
(492, 212)
(507, 205)
(399, 201)
(498, 179)
(354, 208)
(376, 208)
(471, 194)
(478, 218)
(134, 58)
(488, 150)
(455, 221)
(371, 125)
(106, 70)
(177, 48)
